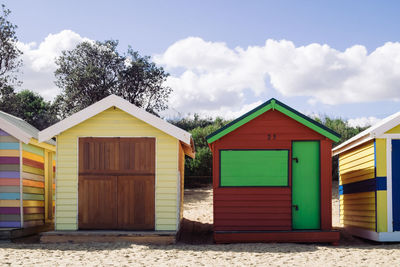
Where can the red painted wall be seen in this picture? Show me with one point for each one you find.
(266, 208)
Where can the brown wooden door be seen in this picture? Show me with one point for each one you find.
(116, 183)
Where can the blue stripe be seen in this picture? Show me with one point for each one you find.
(4, 174)
(9, 196)
(10, 224)
(381, 183)
(14, 146)
(370, 185)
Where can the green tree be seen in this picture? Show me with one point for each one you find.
(9, 53)
(345, 130)
(92, 71)
(28, 106)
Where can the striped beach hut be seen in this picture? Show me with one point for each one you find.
(369, 185)
(26, 175)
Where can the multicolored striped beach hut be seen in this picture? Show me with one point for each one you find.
(369, 181)
(26, 175)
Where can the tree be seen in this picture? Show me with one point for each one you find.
(94, 70)
(345, 130)
(29, 106)
(9, 53)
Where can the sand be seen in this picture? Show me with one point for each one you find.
(351, 252)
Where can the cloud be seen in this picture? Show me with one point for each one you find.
(38, 68)
(211, 77)
(363, 121)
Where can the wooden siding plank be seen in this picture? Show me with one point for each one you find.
(10, 196)
(16, 224)
(10, 217)
(9, 167)
(9, 203)
(9, 160)
(9, 153)
(32, 176)
(31, 183)
(9, 182)
(10, 210)
(8, 139)
(9, 174)
(33, 203)
(32, 170)
(9, 146)
(32, 156)
(32, 197)
(9, 189)
(33, 163)
(33, 149)
(32, 190)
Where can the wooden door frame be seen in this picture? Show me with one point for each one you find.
(104, 136)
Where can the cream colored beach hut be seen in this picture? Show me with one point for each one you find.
(119, 167)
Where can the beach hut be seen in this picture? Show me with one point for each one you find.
(119, 168)
(26, 175)
(272, 178)
(369, 181)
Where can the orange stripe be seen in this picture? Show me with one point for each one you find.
(9, 181)
(33, 163)
(33, 183)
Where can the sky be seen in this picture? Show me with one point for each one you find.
(335, 58)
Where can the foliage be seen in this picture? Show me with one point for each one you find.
(94, 70)
(345, 130)
(28, 106)
(9, 53)
(199, 128)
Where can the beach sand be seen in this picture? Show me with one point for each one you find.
(198, 207)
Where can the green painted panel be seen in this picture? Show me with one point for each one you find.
(33, 149)
(9, 189)
(9, 167)
(33, 190)
(306, 185)
(31, 217)
(26, 196)
(254, 167)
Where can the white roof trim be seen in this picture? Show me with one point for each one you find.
(375, 131)
(106, 103)
(15, 131)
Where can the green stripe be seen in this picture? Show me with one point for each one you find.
(9, 189)
(32, 190)
(273, 104)
(308, 123)
(8, 139)
(10, 217)
(240, 123)
(9, 167)
(33, 149)
(32, 197)
(31, 217)
(32, 170)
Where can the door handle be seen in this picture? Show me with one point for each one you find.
(296, 159)
(296, 207)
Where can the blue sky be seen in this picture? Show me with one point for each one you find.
(163, 29)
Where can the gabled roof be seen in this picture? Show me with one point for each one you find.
(116, 101)
(375, 131)
(19, 128)
(274, 105)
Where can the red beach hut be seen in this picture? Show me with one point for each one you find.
(272, 178)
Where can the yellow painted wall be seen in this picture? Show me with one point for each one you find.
(381, 195)
(113, 123)
(357, 164)
(394, 130)
(358, 209)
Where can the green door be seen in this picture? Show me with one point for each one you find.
(305, 185)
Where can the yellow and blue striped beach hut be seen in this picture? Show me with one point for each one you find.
(369, 181)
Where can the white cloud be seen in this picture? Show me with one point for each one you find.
(363, 121)
(213, 77)
(38, 68)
